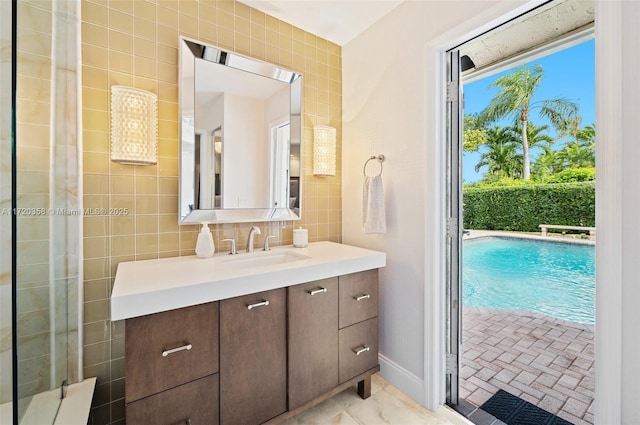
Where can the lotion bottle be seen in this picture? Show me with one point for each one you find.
(204, 246)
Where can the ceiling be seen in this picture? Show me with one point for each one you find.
(337, 21)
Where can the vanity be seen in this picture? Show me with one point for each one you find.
(247, 339)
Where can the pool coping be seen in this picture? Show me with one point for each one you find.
(477, 234)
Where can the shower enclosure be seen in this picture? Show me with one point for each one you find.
(40, 216)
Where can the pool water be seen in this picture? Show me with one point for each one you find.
(555, 279)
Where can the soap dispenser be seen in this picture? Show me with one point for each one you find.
(204, 246)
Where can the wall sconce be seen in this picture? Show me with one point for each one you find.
(324, 150)
(134, 126)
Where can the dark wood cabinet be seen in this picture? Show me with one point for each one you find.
(358, 297)
(253, 358)
(256, 359)
(164, 351)
(192, 403)
(313, 340)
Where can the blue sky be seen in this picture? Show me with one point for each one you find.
(569, 73)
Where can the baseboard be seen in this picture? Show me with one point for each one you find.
(402, 379)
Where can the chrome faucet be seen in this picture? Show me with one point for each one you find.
(255, 230)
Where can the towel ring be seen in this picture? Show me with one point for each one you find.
(380, 158)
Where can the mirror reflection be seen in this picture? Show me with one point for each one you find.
(240, 138)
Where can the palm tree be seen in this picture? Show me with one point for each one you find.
(547, 164)
(501, 157)
(515, 99)
(576, 155)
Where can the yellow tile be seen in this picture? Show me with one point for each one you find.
(146, 223)
(168, 92)
(242, 26)
(168, 254)
(120, 62)
(144, 83)
(188, 7)
(144, 9)
(225, 38)
(171, 4)
(272, 23)
(258, 17)
(125, 6)
(168, 148)
(167, 17)
(242, 44)
(33, 159)
(124, 203)
(145, 67)
(168, 129)
(122, 185)
(144, 28)
(115, 260)
(188, 242)
(31, 88)
(225, 20)
(147, 170)
(34, 66)
(122, 245)
(95, 201)
(33, 112)
(95, 184)
(168, 167)
(33, 135)
(169, 241)
(94, 34)
(188, 26)
(285, 29)
(120, 41)
(95, 226)
(168, 223)
(120, 79)
(226, 5)
(96, 247)
(167, 111)
(123, 225)
(168, 204)
(38, 43)
(167, 73)
(273, 38)
(146, 244)
(147, 204)
(242, 10)
(93, 119)
(167, 54)
(120, 21)
(95, 99)
(95, 163)
(94, 77)
(207, 32)
(97, 268)
(206, 12)
(94, 13)
(168, 36)
(146, 185)
(94, 56)
(258, 49)
(118, 168)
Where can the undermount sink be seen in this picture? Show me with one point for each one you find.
(262, 259)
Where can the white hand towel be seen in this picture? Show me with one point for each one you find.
(373, 218)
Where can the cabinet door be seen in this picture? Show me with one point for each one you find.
(358, 297)
(253, 358)
(168, 349)
(193, 403)
(358, 349)
(313, 340)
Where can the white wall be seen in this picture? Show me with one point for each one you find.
(390, 83)
(384, 79)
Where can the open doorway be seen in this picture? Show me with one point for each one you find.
(541, 358)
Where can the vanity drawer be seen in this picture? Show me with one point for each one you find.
(358, 349)
(193, 403)
(168, 349)
(358, 297)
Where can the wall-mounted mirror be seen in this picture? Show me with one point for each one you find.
(240, 137)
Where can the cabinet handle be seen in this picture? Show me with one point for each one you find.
(362, 297)
(320, 290)
(364, 349)
(186, 346)
(260, 304)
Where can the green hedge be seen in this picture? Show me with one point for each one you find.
(523, 208)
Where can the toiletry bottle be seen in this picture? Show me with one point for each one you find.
(204, 246)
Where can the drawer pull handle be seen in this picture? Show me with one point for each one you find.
(186, 346)
(260, 304)
(362, 297)
(364, 349)
(317, 291)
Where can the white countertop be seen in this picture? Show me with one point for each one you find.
(153, 286)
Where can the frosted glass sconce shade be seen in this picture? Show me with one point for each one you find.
(324, 150)
(134, 126)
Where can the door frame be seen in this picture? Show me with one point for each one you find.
(610, 96)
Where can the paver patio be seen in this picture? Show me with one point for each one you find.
(548, 362)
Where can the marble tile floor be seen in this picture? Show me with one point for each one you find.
(387, 405)
(546, 361)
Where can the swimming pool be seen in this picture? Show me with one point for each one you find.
(556, 279)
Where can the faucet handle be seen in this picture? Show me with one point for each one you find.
(266, 242)
(233, 250)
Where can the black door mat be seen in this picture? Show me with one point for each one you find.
(513, 410)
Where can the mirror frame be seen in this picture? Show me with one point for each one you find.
(189, 51)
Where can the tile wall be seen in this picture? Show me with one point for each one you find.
(135, 43)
